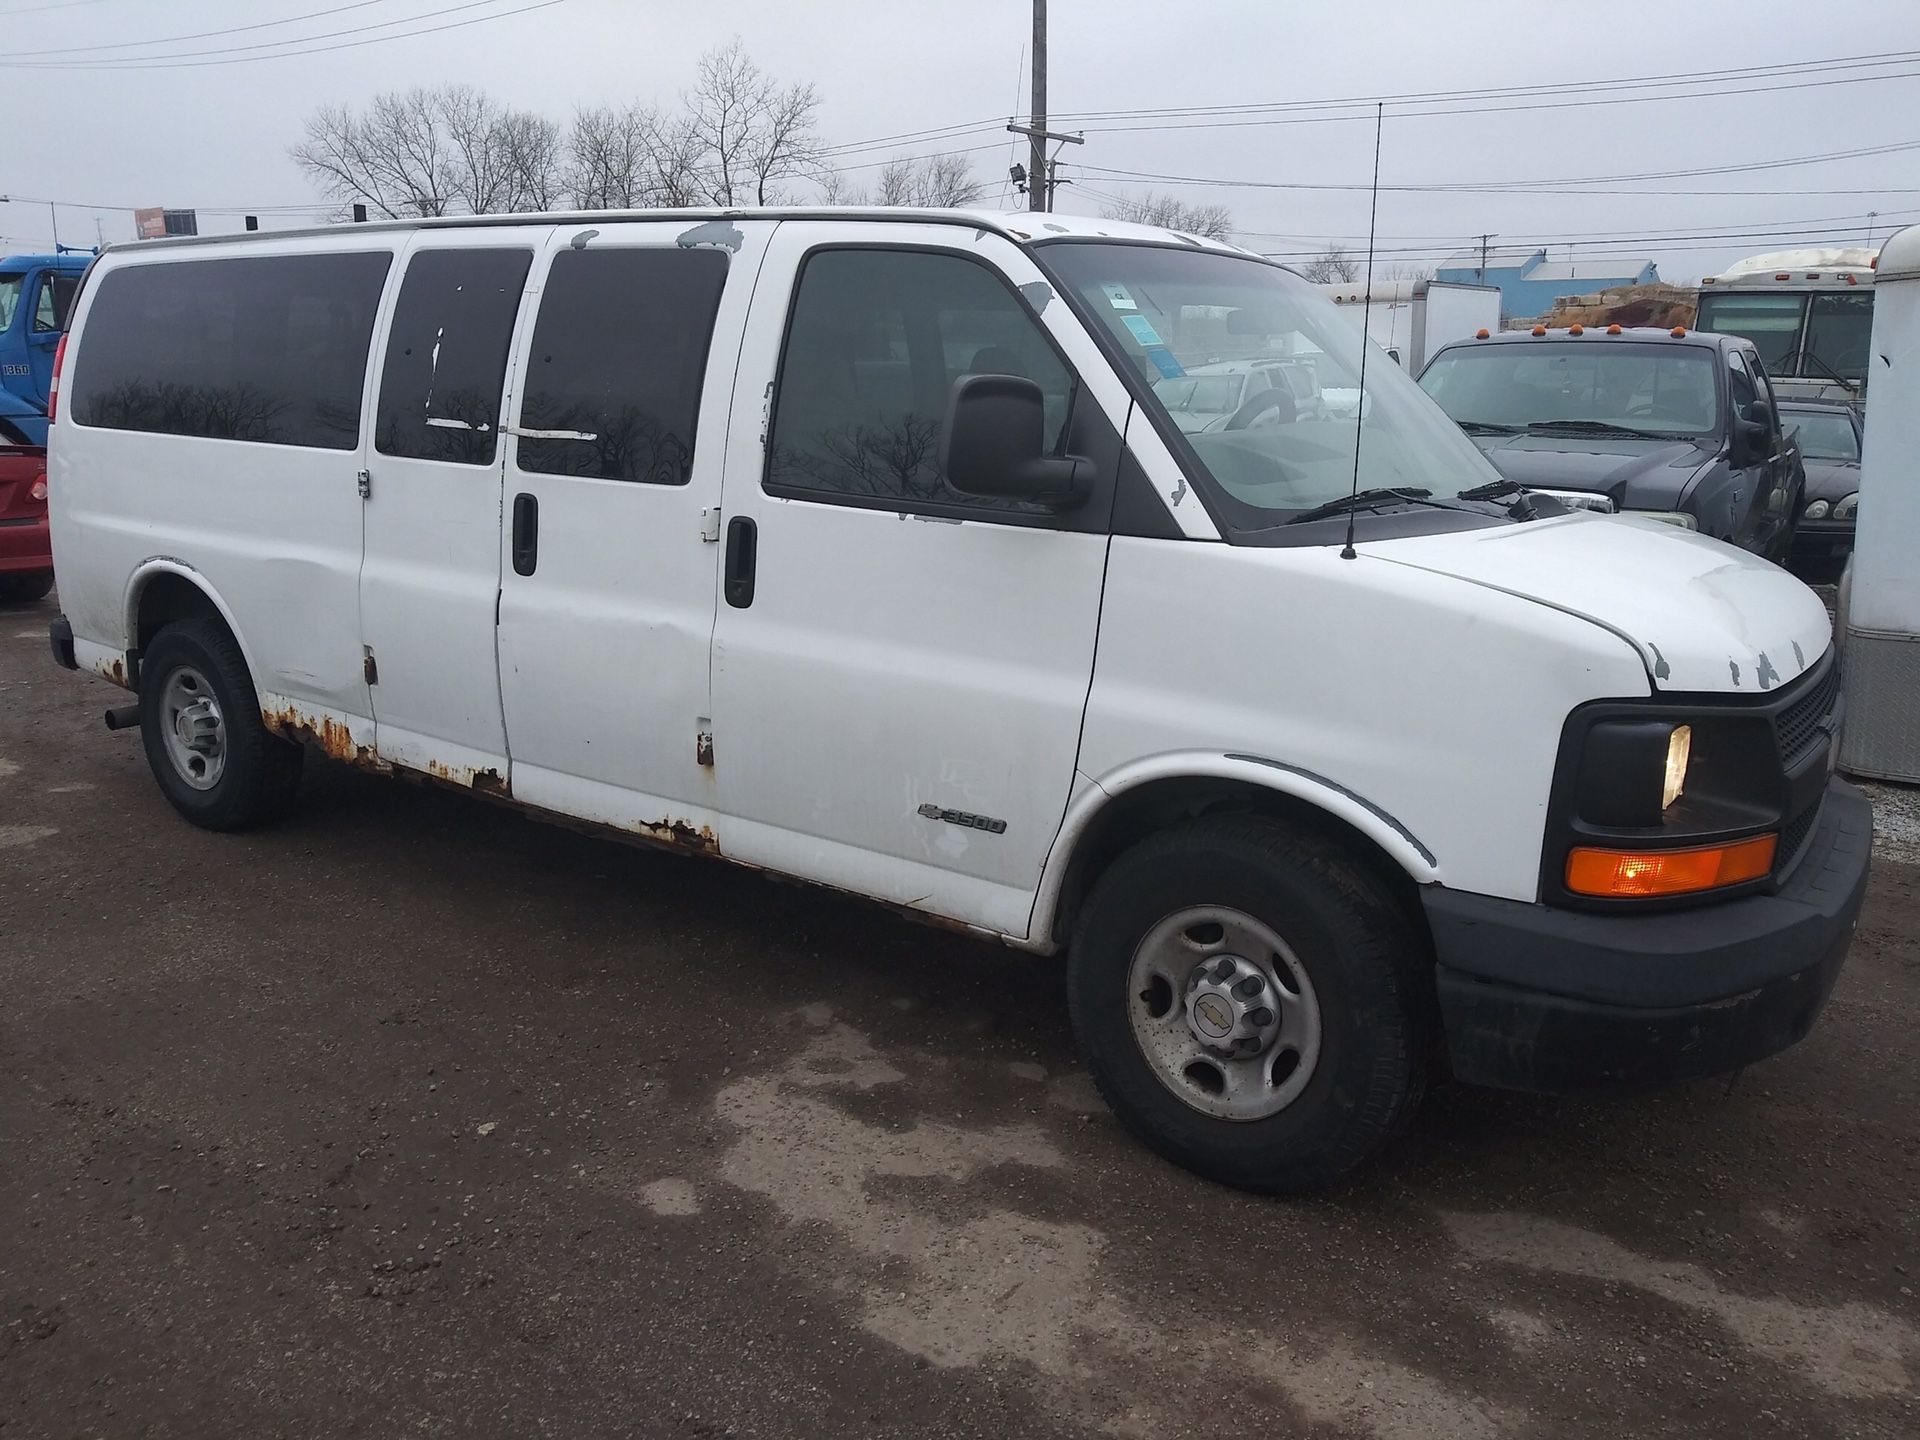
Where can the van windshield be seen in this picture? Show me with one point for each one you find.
(1262, 375)
(10, 289)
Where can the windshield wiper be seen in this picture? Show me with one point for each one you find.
(1363, 500)
(1499, 489)
(1487, 427)
(1600, 427)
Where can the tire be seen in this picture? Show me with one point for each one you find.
(25, 589)
(250, 774)
(1349, 954)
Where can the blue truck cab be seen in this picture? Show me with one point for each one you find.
(36, 297)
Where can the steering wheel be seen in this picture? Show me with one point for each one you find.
(1646, 408)
(1259, 405)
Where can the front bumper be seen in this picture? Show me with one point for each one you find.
(1560, 1001)
(1822, 539)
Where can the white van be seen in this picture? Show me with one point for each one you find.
(856, 546)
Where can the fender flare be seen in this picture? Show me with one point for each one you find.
(143, 575)
(1399, 843)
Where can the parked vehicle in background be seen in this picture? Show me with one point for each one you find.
(26, 556)
(1412, 319)
(1674, 425)
(1809, 312)
(1235, 394)
(860, 547)
(36, 296)
(1829, 437)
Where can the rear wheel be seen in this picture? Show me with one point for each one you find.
(23, 589)
(200, 723)
(1252, 1002)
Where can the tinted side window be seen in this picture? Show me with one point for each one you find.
(55, 304)
(876, 340)
(619, 355)
(270, 348)
(447, 354)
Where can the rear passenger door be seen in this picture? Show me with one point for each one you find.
(900, 669)
(612, 483)
(431, 574)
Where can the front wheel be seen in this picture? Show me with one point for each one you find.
(1252, 1002)
(200, 723)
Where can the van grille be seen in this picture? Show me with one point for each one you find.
(1797, 728)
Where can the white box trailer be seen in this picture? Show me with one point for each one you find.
(1410, 319)
(1880, 599)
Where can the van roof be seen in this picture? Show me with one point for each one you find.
(1017, 225)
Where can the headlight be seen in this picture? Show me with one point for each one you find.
(1679, 750)
(1669, 517)
(1845, 508)
(1816, 510)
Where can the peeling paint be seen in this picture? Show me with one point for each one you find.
(580, 241)
(1039, 294)
(722, 233)
(1057, 229)
(1799, 656)
(441, 422)
(324, 733)
(681, 835)
(1661, 670)
(525, 434)
(1764, 674)
(1733, 669)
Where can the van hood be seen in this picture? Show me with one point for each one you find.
(1702, 615)
(1637, 474)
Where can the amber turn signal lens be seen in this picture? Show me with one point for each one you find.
(1621, 874)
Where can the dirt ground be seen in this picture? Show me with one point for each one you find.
(414, 1117)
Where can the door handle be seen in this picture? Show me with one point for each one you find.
(526, 533)
(743, 540)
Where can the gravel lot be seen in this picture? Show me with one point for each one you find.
(415, 1117)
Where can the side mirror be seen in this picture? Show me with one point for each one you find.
(995, 443)
(1760, 413)
(1749, 438)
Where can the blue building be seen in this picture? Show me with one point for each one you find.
(1530, 283)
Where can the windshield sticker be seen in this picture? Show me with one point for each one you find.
(1118, 297)
(1142, 329)
(1163, 358)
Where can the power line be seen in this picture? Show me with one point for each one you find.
(1669, 78)
(202, 34)
(179, 63)
(1550, 184)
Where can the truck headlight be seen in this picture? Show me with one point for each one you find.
(1816, 510)
(1845, 508)
(1679, 751)
(1678, 518)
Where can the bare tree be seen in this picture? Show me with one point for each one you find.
(934, 182)
(433, 152)
(837, 189)
(752, 132)
(1330, 265)
(1407, 270)
(1214, 222)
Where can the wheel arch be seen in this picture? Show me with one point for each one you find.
(1138, 799)
(162, 590)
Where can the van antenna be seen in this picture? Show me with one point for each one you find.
(1366, 309)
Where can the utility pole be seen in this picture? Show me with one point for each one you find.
(1485, 242)
(1040, 180)
(1039, 192)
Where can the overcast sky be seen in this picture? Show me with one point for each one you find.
(214, 135)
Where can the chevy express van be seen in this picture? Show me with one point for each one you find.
(858, 546)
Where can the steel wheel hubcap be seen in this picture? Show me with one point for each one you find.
(192, 726)
(1224, 1013)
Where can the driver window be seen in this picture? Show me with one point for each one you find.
(1743, 391)
(876, 341)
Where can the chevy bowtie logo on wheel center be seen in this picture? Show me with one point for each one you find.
(1213, 1015)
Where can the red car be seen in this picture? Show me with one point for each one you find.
(26, 554)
